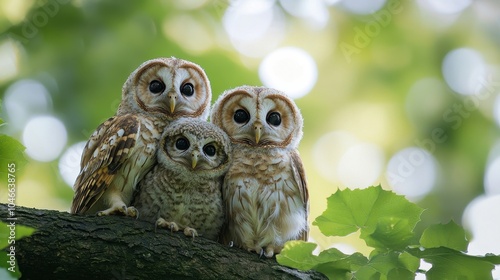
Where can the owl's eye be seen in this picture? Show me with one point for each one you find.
(182, 144)
(274, 118)
(187, 89)
(241, 116)
(209, 150)
(156, 86)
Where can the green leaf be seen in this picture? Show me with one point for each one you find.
(409, 261)
(6, 233)
(298, 254)
(390, 233)
(452, 264)
(331, 262)
(9, 234)
(449, 235)
(391, 265)
(11, 155)
(382, 217)
(340, 265)
(10, 271)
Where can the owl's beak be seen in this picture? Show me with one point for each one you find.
(194, 159)
(258, 128)
(172, 98)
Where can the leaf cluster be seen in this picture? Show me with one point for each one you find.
(386, 223)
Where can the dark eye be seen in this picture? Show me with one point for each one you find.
(187, 89)
(274, 118)
(156, 86)
(241, 116)
(182, 144)
(209, 150)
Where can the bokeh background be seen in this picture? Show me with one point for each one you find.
(401, 93)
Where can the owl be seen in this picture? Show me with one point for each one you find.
(122, 149)
(183, 191)
(264, 191)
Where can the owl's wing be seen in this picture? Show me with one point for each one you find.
(106, 151)
(300, 178)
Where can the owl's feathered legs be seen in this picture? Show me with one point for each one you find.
(173, 226)
(118, 207)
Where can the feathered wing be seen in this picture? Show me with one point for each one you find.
(105, 153)
(300, 178)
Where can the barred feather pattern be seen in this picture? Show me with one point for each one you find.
(187, 201)
(265, 190)
(263, 200)
(185, 186)
(117, 156)
(122, 149)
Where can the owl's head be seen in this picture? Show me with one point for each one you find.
(258, 116)
(168, 88)
(193, 146)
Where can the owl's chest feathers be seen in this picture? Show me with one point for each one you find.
(184, 201)
(263, 165)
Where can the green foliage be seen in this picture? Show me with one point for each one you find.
(11, 151)
(11, 160)
(8, 238)
(450, 235)
(386, 222)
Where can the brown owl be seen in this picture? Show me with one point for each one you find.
(265, 192)
(183, 191)
(122, 149)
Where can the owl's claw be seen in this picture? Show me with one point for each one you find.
(269, 251)
(120, 209)
(164, 224)
(132, 212)
(191, 232)
(261, 253)
(231, 244)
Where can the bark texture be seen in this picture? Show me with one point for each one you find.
(67, 246)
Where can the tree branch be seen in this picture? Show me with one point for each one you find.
(67, 246)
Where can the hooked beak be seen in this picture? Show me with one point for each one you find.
(257, 127)
(172, 98)
(194, 159)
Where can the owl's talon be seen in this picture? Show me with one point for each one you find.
(132, 212)
(261, 253)
(269, 251)
(114, 210)
(191, 232)
(231, 244)
(164, 224)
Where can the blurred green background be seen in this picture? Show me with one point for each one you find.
(398, 93)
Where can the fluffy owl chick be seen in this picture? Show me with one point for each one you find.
(183, 191)
(264, 192)
(122, 149)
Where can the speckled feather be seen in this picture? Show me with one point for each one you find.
(121, 150)
(265, 191)
(125, 142)
(176, 192)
